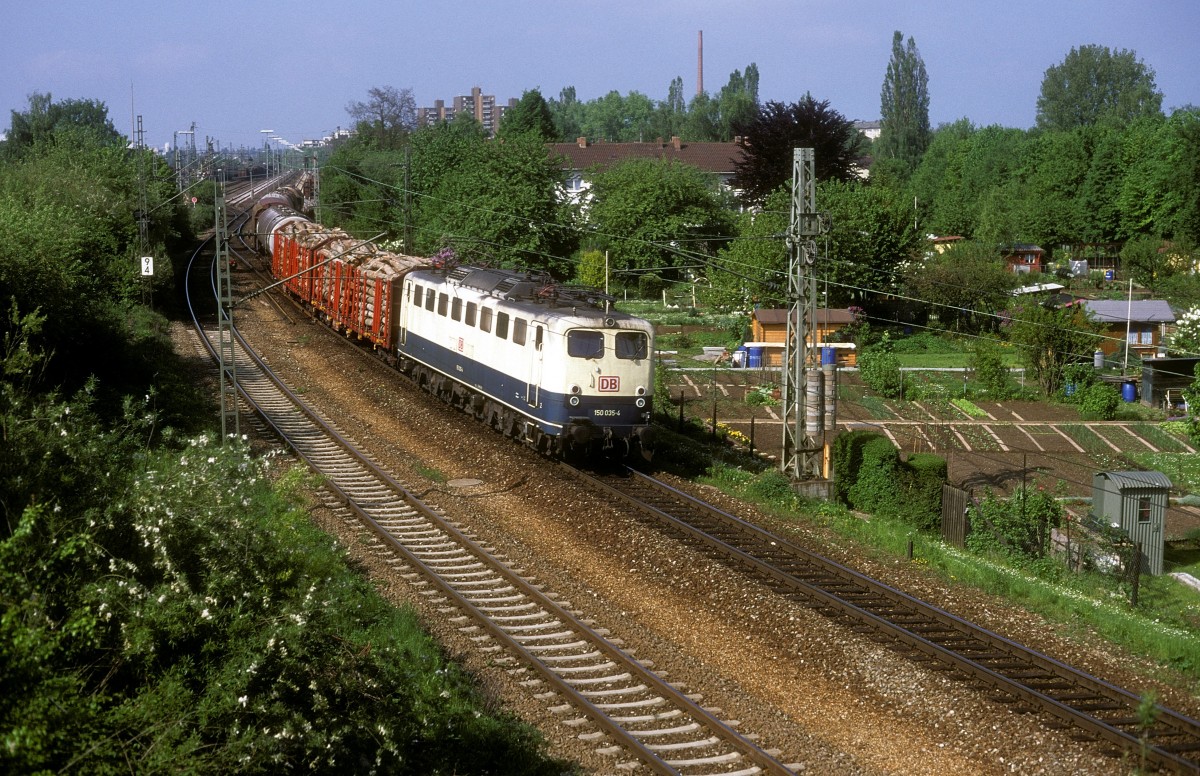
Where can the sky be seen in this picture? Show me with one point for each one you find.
(236, 68)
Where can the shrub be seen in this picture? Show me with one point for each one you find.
(1018, 526)
(650, 286)
(990, 372)
(1077, 379)
(875, 485)
(1099, 402)
(880, 371)
(847, 459)
(921, 489)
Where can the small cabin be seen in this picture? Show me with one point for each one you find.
(1135, 503)
(1140, 322)
(1165, 379)
(1023, 257)
(768, 333)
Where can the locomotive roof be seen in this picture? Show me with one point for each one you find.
(525, 287)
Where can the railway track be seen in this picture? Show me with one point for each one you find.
(614, 700)
(1074, 700)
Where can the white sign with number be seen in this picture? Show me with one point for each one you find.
(147, 265)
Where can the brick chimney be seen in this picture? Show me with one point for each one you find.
(675, 142)
(581, 142)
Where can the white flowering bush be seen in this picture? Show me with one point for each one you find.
(1185, 340)
(172, 609)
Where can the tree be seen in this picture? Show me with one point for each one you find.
(656, 214)
(752, 269)
(45, 118)
(777, 129)
(1095, 84)
(737, 101)
(1148, 261)
(388, 114)
(568, 114)
(871, 236)
(967, 285)
(531, 115)
(904, 105)
(1050, 338)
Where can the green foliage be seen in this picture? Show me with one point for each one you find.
(1077, 377)
(910, 491)
(880, 370)
(752, 268)
(1018, 526)
(654, 213)
(847, 460)
(1094, 84)
(968, 285)
(904, 106)
(531, 115)
(1099, 402)
(990, 371)
(870, 239)
(592, 270)
(66, 122)
(1049, 339)
(386, 117)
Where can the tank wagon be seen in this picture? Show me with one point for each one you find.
(549, 365)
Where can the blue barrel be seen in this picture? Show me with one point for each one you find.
(754, 357)
(1069, 389)
(1129, 391)
(828, 355)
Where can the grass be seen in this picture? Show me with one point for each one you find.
(1182, 468)
(1165, 627)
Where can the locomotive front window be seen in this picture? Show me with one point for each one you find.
(485, 319)
(471, 308)
(502, 325)
(519, 327)
(456, 309)
(585, 344)
(632, 344)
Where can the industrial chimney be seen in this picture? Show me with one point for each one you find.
(700, 64)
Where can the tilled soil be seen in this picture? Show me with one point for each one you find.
(829, 699)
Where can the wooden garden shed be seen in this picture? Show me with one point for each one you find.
(1164, 379)
(1135, 503)
(768, 331)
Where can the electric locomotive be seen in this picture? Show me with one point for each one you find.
(552, 366)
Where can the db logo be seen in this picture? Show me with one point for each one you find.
(460, 344)
(610, 384)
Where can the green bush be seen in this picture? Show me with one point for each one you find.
(878, 475)
(650, 286)
(847, 460)
(1077, 379)
(880, 371)
(990, 371)
(1099, 402)
(922, 489)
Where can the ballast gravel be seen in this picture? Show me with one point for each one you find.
(829, 699)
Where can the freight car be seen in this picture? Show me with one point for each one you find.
(554, 367)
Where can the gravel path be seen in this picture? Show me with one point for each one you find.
(824, 696)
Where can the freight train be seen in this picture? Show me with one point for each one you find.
(550, 365)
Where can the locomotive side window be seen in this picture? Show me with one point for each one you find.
(456, 309)
(442, 300)
(631, 344)
(502, 325)
(519, 327)
(416, 295)
(429, 300)
(485, 319)
(585, 344)
(537, 337)
(471, 308)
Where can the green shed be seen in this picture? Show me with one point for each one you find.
(1136, 503)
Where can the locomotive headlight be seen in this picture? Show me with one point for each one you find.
(640, 402)
(641, 391)
(576, 390)
(573, 401)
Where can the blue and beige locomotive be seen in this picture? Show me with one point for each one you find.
(553, 366)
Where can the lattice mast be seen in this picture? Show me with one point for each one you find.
(802, 446)
(228, 376)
